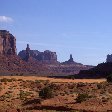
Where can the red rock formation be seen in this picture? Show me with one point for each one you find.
(13, 64)
(45, 57)
(102, 70)
(33, 62)
(69, 67)
(71, 61)
(27, 52)
(7, 43)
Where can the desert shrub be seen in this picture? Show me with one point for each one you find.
(5, 96)
(82, 97)
(81, 84)
(46, 82)
(104, 99)
(54, 86)
(29, 81)
(24, 94)
(2, 98)
(4, 80)
(46, 93)
(39, 81)
(99, 86)
(8, 80)
(13, 79)
(109, 78)
(20, 80)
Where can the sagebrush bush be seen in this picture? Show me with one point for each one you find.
(99, 86)
(82, 97)
(23, 94)
(46, 93)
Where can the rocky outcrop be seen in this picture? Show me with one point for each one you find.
(69, 67)
(49, 59)
(7, 43)
(109, 58)
(11, 63)
(102, 70)
(33, 61)
(64, 70)
(71, 58)
(14, 65)
(45, 57)
(71, 61)
(27, 52)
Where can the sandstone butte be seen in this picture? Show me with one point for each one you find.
(33, 62)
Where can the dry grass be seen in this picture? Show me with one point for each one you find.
(22, 92)
(33, 78)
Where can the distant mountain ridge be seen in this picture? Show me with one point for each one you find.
(102, 70)
(33, 61)
(49, 59)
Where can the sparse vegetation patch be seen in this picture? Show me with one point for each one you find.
(46, 93)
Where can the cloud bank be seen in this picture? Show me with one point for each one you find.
(5, 19)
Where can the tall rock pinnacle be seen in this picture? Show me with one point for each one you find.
(27, 52)
(71, 58)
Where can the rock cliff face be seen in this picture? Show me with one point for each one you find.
(49, 59)
(45, 57)
(14, 65)
(33, 61)
(7, 43)
(10, 63)
(102, 70)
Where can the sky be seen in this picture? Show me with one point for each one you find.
(82, 28)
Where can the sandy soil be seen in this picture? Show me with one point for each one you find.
(33, 78)
(23, 94)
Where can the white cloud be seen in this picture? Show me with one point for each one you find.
(6, 19)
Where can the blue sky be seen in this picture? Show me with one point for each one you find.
(82, 28)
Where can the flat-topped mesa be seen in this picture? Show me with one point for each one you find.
(7, 43)
(46, 56)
